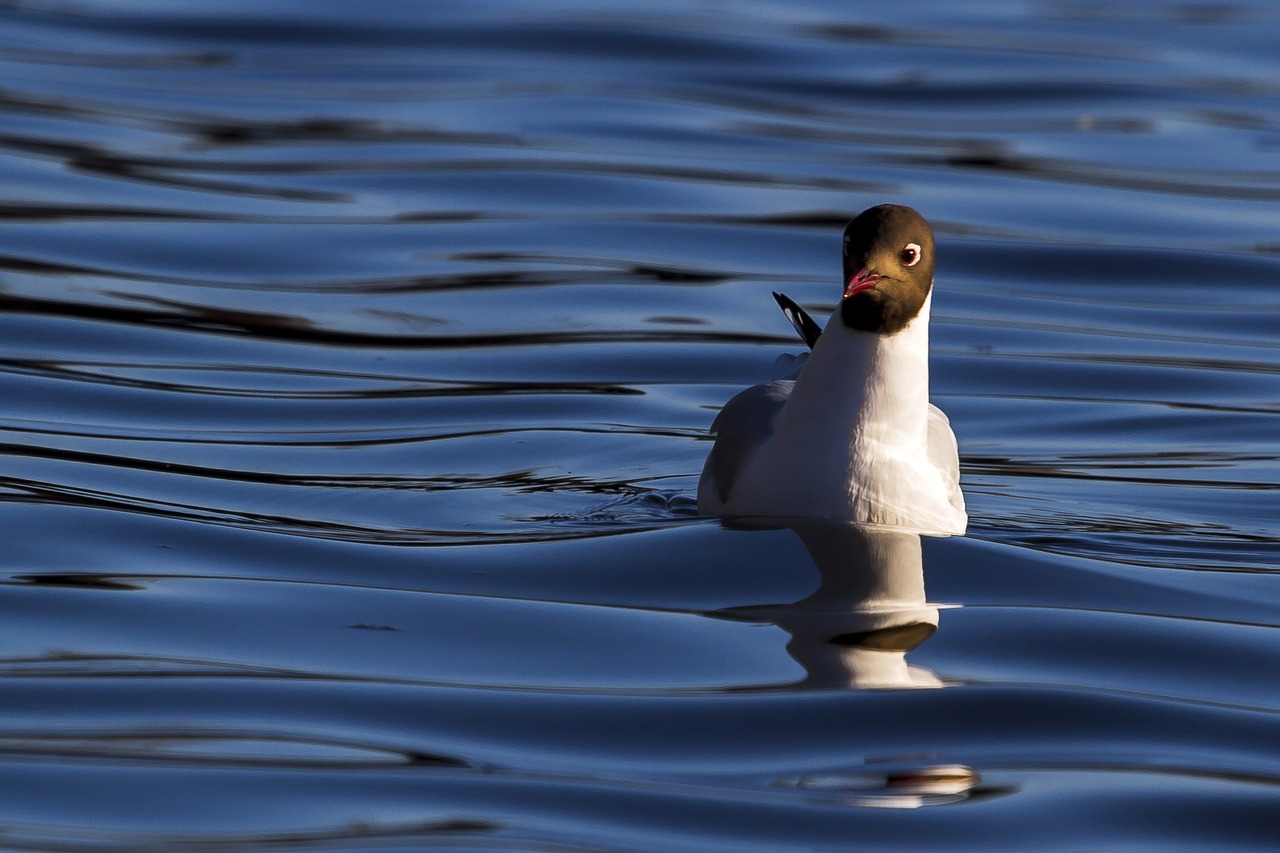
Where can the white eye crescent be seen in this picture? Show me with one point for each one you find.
(910, 255)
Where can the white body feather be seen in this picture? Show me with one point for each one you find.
(853, 437)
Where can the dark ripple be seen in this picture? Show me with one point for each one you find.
(1258, 186)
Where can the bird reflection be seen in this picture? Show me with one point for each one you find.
(868, 612)
(855, 630)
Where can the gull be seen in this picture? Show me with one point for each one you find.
(846, 432)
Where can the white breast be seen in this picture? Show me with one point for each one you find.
(853, 438)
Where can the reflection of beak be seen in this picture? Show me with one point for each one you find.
(862, 280)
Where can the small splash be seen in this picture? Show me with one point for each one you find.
(639, 510)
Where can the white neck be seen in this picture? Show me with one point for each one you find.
(860, 404)
(864, 386)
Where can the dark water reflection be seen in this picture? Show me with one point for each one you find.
(357, 361)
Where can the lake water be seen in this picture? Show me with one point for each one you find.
(357, 360)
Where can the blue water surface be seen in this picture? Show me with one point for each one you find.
(357, 362)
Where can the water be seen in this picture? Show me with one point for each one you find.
(356, 364)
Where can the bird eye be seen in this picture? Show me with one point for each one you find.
(910, 255)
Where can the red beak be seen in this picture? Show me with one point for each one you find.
(862, 280)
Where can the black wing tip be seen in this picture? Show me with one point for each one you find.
(805, 326)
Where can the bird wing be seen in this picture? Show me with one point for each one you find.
(744, 424)
(788, 366)
(746, 421)
(945, 455)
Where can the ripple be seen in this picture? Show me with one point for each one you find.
(357, 366)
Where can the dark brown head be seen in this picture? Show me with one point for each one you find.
(888, 268)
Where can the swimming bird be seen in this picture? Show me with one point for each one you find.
(847, 431)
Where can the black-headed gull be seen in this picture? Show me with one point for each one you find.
(847, 432)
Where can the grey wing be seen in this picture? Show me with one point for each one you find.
(945, 454)
(744, 424)
(788, 366)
